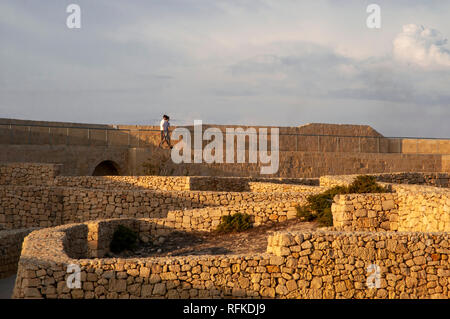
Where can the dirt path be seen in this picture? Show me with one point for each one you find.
(196, 243)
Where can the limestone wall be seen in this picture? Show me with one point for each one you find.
(30, 206)
(196, 183)
(242, 184)
(422, 208)
(410, 208)
(308, 164)
(411, 265)
(10, 247)
(28, 173)
(207, 219)
(439, 179)
(178, 183)
(306, 264)
(365, 212)
(276, 187)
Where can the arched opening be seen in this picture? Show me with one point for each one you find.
(106, 168)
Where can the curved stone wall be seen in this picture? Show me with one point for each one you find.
(321, 264)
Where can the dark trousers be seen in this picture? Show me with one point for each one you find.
(165, 137)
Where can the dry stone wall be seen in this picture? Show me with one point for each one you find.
(28, 206)
(422, 208)
(268, 187)
(10, 247)
(322, 264)
(28, 173)
(243, 184)
(207, 219)
(410, 208)
(430, 179)
(178, 183)
(365, 212)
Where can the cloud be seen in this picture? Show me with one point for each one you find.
(421, 46)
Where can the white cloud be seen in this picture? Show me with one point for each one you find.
(421, 46)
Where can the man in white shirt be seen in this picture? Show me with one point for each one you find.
(164, 127)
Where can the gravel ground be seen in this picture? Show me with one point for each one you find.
(202, 243)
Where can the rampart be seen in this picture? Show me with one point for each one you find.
(310, 150)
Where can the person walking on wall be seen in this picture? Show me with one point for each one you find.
(164, 127)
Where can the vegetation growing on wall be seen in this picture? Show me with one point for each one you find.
(235, 223)
(319, 205)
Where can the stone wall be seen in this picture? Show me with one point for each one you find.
(410, 208)
(322, 264)
(302, 164)
(195, 183)
(243, 184)
(28, 173)
(207, 219)
(82, 160)
(411, 264)
(29, 206)
(430, 179)
(422, 208)
(261, 187)
(365, 212)
(438, 179)
(178, 183)
(10, 247)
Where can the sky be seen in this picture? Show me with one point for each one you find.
(244, 62)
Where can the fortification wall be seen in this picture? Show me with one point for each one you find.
(306, 164)
(75, 159)
(82, 160)
(296, 265)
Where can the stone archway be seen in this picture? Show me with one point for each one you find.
(106, 168)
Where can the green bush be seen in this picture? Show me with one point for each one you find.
(319, 205)
(123, 239)
(366, 184)
(235, 223)
(305, 214)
